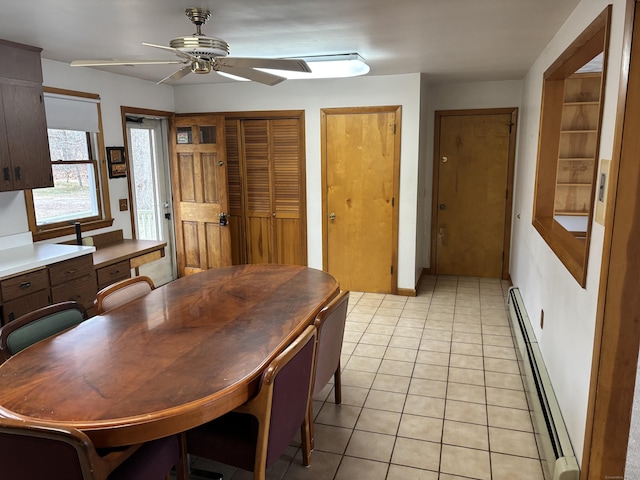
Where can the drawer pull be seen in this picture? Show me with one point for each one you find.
(7, 173)
(71, 272)
(115, 272)
(25, 284)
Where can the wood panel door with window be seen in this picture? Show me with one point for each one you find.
(361, 169)
(473, 176)
(266, 190)
(199, 184)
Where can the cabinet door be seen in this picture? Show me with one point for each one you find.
(6, 179)
(26, 131)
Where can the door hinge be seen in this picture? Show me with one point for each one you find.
(394, 128)
(391, 269)
(393, 201)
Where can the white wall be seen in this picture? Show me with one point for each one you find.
(114, 91)
(312, 96)
(569, 310)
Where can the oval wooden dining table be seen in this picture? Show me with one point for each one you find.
(184, 354)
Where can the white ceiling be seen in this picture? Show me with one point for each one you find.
(449, 40)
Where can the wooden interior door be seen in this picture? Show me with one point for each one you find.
(360, 154)
(472, 192)
(199, 183)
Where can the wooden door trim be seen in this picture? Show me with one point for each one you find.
(513, 111)
(397, 110)
(617, 331)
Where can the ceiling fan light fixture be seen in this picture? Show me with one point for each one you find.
(201, 66)
(341, 65)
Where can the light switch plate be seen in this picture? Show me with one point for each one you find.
(602, 190)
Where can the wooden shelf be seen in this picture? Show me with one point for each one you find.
(571, 213)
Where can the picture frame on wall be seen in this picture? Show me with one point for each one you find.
(116, 162)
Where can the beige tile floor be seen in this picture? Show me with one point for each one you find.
(430, 391)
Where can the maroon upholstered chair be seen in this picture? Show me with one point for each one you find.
(28, 329)
(37, 451)
(330, 323)
(122, 292)
(255, 435)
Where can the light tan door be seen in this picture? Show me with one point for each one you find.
(472, 181)
(199, 183)
(360, 149)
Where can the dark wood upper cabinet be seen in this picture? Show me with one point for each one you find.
(25, 161)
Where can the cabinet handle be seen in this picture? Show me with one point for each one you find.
(7, 173)
(71, 272)
(18, 173)
(25, 284)
(115, 272)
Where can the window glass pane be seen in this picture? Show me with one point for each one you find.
(184, 135)
(72, 197)
(68, 145)
(208, 134)
(144, 182)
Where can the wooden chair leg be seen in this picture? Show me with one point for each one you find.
(337, 385)
(306, 442)
(182, 467)
(310, 423)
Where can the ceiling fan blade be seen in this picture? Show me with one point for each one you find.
(178, 52)
(292, 64)
(251, 74)
(177, 75)
(101, 63)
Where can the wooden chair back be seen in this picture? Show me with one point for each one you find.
(122, 292)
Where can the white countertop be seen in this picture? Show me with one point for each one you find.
(24, 258)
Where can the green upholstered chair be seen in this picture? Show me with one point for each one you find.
(28, 329)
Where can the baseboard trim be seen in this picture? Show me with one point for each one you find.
(407, 292)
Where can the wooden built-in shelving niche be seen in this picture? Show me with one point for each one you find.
(578, 141)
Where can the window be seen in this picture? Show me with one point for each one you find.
(568, 150)
(79, 193)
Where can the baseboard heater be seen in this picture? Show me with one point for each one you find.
(554, 446)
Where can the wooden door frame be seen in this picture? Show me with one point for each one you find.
(513, 111)
(397, 110)
(617, 331)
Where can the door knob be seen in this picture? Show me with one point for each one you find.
(443, 206)
(332, 216)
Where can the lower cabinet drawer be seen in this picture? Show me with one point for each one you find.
(28, 303)
(113, 273)
(81, 290)
(26, 284)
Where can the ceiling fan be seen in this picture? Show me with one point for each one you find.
(202, 54)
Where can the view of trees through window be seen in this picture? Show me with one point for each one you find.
(144, 182)
(73, 195)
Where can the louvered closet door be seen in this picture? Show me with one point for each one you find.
(266, 190)
(258, 183)
(288, 193)
(236, 193)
